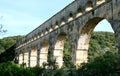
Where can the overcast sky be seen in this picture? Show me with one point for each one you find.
(22, 16)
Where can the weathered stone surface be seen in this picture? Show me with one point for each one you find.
(76, 22)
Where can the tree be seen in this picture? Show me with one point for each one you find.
(104, 65)
(1, 26)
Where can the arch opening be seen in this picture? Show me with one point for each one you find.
(51, 28)
(70, 18)
(44, 52)
(56, 25)
(83, 52)
(63, 21)
(20, 59)
(79, 12)
(26, 58)
(89, 5)
(46, 31)
(42, 33)
(33, 56)
(38, 36)
(61, 49)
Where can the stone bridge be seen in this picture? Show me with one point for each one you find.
(75, 22)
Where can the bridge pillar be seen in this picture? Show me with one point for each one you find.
(29, 55)
(73, 47)
(51, 53)
(115, 22)
(38, 54)
(116, 27)
(26, 56)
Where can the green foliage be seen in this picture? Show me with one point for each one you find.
(11, 69)
(7, 42)
(7, 48)
(103, 65)
(37, 71)
(67, 56)
(8, 55)
(100, 43)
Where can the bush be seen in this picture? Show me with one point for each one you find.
(11, 69)
(105, 65)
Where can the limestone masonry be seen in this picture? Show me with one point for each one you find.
(75, 22)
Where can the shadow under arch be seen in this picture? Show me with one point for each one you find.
(59, 48)
(44, 52)
(83, 41)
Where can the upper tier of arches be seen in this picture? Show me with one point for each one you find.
(66, 15)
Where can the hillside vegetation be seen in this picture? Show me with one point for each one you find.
(7, 42)
(100, 43)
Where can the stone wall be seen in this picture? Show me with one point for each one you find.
(76, 22)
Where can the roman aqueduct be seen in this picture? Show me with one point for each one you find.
(75, 22)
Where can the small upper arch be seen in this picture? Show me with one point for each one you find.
(70, 18)
(51, 28)
(46, 31)
(63, 21)
(89, 5)
(56, 25)
(42, 33)
(79, 12)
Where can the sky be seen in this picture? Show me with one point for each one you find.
(20, 17)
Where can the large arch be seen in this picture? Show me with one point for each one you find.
(20, 58)
(58, 49)
(26, 57)
(44, 52)
(83, 41)
(33, 56)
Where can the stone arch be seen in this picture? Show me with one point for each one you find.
(89, 5)
(33, 56)
(84, 38)
(39, 34)
(56, 25)
(20, 58)
(44, 52)
(59, 47)
(99, 2)
(46, 31)
(70, 18)
(79, 12)
(35, 37)
(26, 57)
(63, 21)
(51, 28)
(42, 33)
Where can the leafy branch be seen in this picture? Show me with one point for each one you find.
(1, 27)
